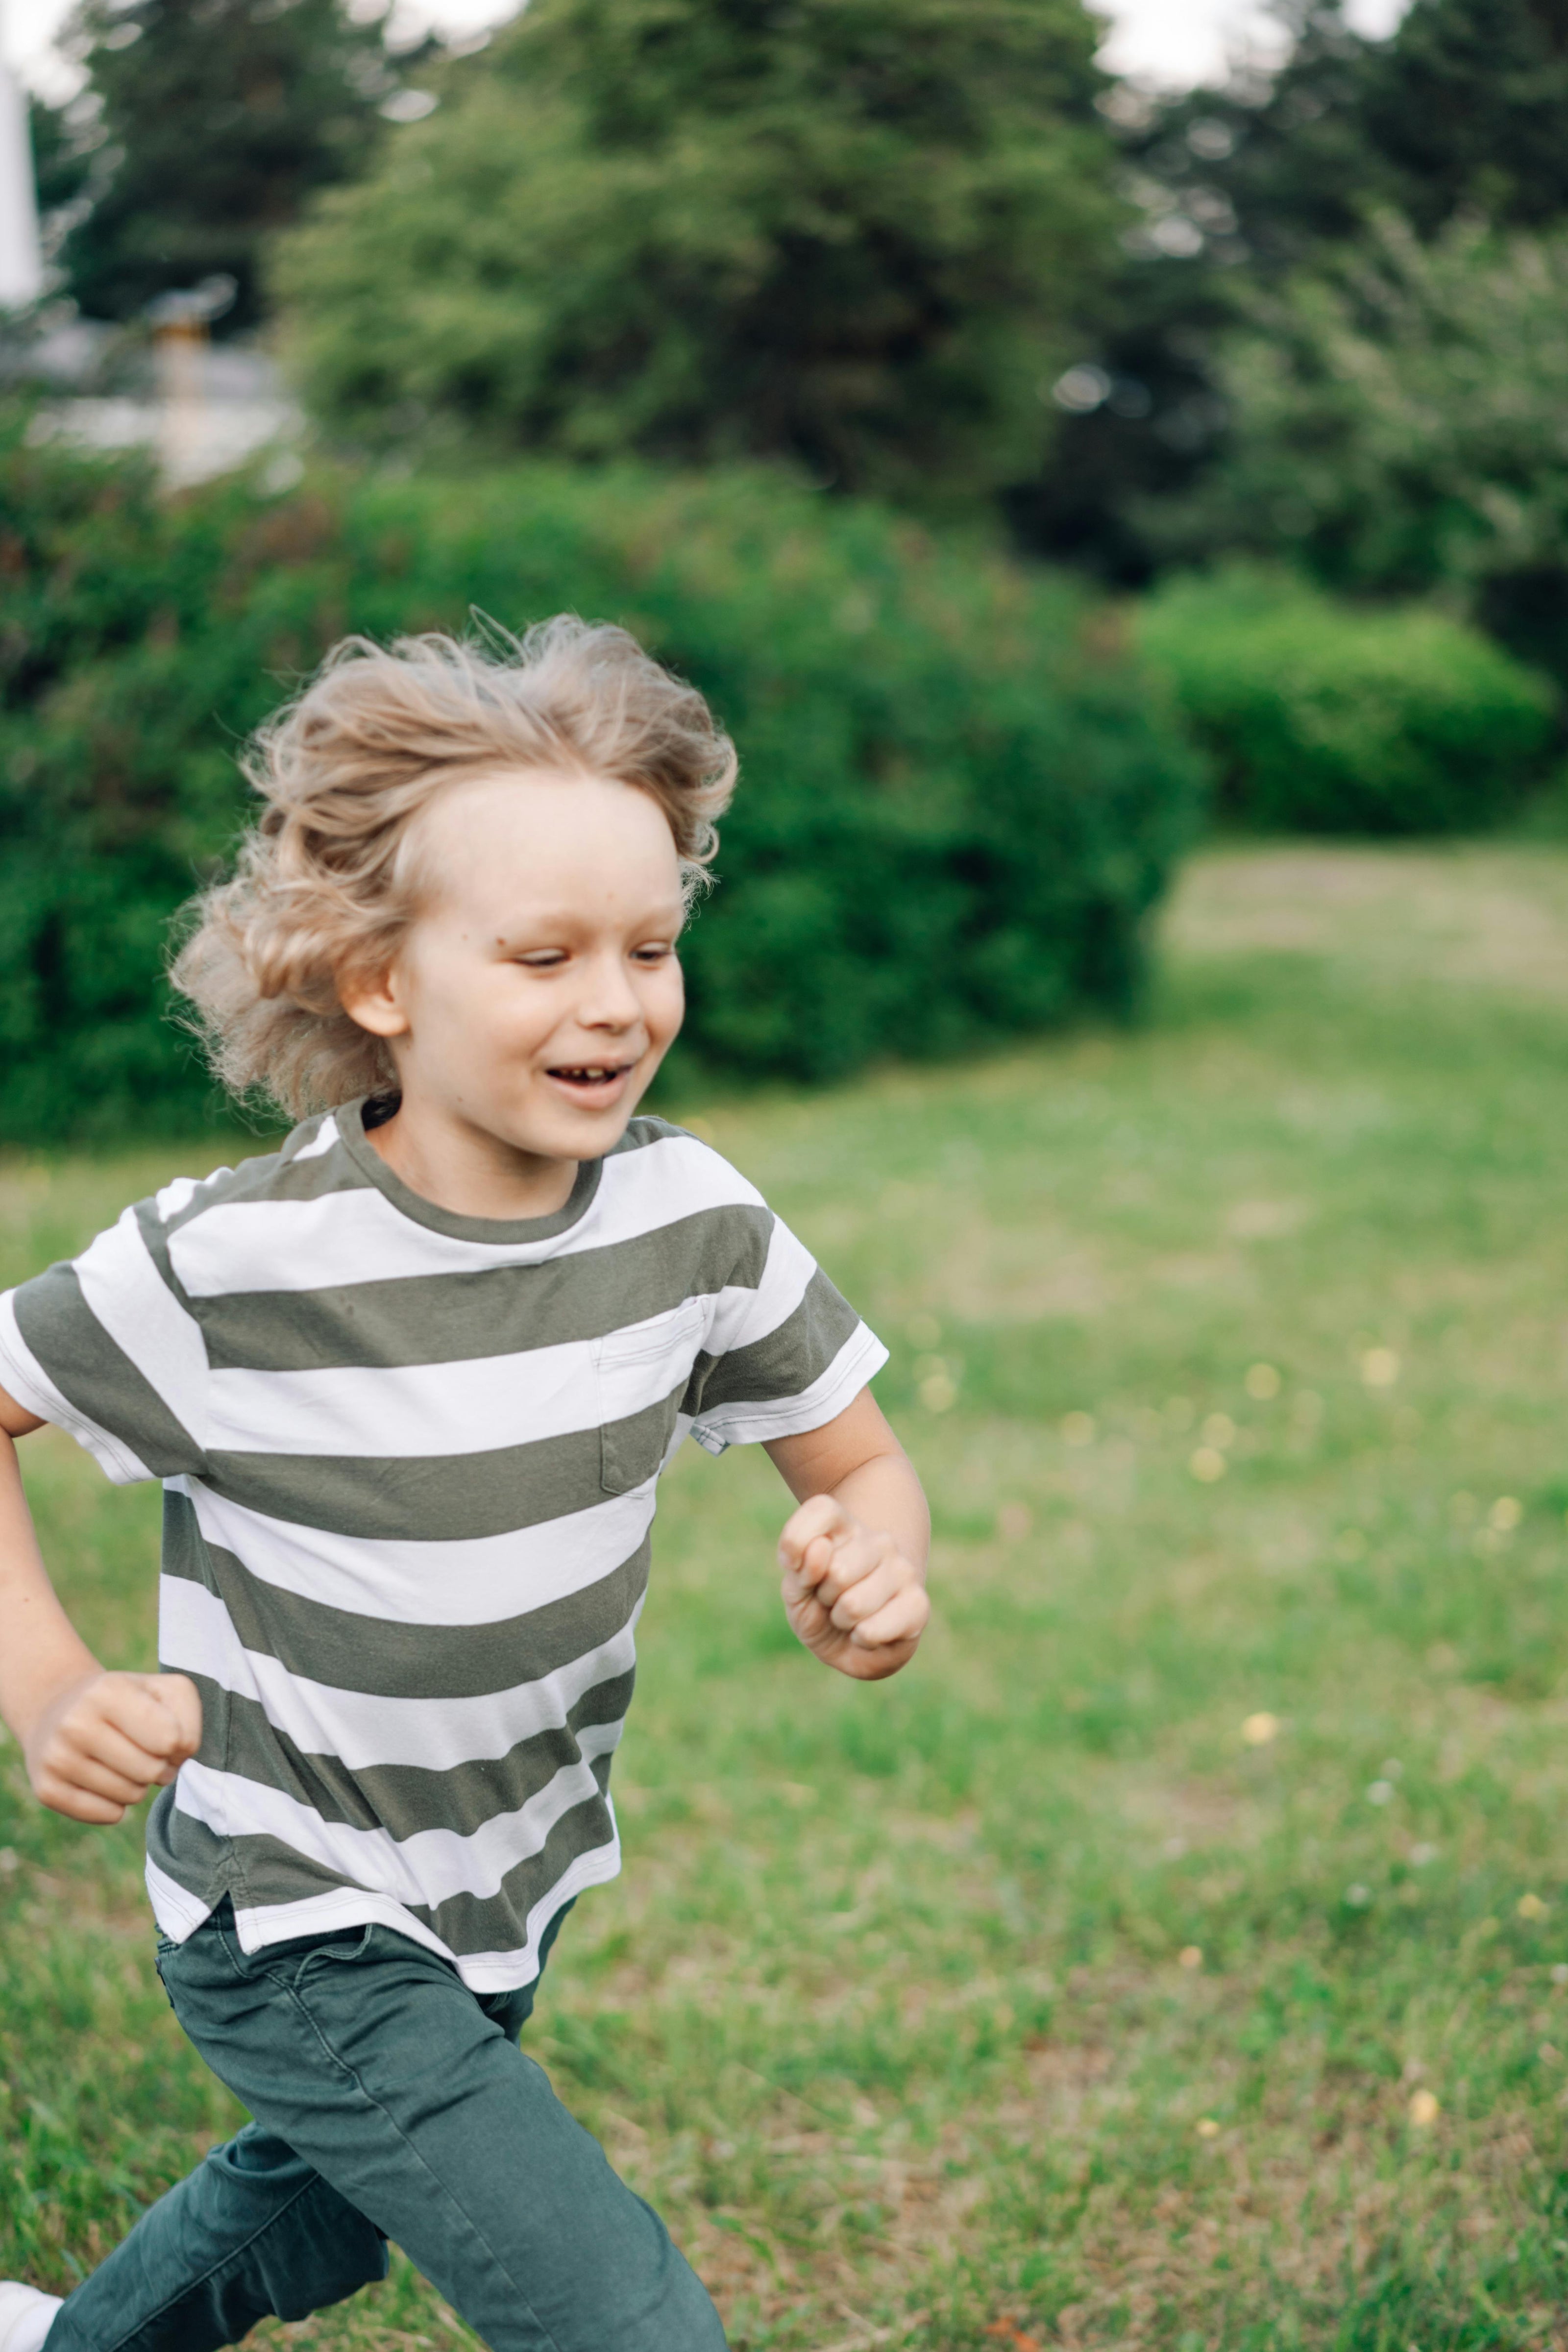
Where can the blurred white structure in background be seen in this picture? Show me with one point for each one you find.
(214, 409)
(204, 411)
(21, 261)
(210, 409)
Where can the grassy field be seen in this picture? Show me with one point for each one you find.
(1178, 1954)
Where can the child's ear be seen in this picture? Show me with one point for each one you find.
(374, 1001)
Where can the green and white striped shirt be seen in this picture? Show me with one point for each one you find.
(409, 1463)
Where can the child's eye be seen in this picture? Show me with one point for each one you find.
(656, 952)
(547, 959)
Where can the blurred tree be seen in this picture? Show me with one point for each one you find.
(1233, 185)
(62, 164)
(1463, 110)
(1398, 427)
(206, 124)
(1140, 416)
(1288, 155)
(851, 233)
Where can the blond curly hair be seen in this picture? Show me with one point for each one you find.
(328, 879)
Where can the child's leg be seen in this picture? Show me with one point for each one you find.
(367, 2056)
(252, 2231)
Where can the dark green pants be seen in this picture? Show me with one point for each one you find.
(390, 2100)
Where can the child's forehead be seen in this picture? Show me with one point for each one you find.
(458, 788)
(519, 838)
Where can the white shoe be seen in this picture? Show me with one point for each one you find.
(26, 2315)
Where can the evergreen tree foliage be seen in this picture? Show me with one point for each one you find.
(1398, 428)
(1463, 107)
(206, 124)
(850, 233)
(1235, 185)
(1461, 111)
(62, 163)
(1466, 110)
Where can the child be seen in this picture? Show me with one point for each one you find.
(409, 1383)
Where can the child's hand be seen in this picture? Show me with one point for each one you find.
(104, 1742)
(849, 1591)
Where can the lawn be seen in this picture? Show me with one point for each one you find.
(1177, 1954)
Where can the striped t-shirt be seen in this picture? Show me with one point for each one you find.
(409, 1461)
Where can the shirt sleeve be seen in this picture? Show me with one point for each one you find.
(107, 1348)
(784, 1352)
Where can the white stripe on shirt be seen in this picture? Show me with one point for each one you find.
(428, 1868)
(361, 1728)
(371, 1412)
(360, 1236)
(458, 1580)
(135, 1306)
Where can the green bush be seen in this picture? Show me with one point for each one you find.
(1329, 718)
(958, 800)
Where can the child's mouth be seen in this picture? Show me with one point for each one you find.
(591, 1081)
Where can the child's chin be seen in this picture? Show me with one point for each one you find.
(572, 1128)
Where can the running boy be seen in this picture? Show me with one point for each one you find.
(409, 1383)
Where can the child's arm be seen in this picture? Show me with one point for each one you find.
(854, 1555)
(94, 1742)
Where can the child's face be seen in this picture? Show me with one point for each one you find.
(539, 989)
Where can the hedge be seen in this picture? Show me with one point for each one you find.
(1328, 718)
(960, 798)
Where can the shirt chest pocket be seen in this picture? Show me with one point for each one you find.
(641, 1374)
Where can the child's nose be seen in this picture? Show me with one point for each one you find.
(610, 1002)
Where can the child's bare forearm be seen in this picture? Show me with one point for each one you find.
(95, 1742)
(885, 1493)
(857, 1459)
(41, 1653)
(854, 1554)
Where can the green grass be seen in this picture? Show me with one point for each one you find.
(1026, 1997)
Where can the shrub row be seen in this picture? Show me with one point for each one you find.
(1329, 718)
(960, 797)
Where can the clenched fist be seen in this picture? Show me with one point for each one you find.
(104, 1742)
(849, 1593)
